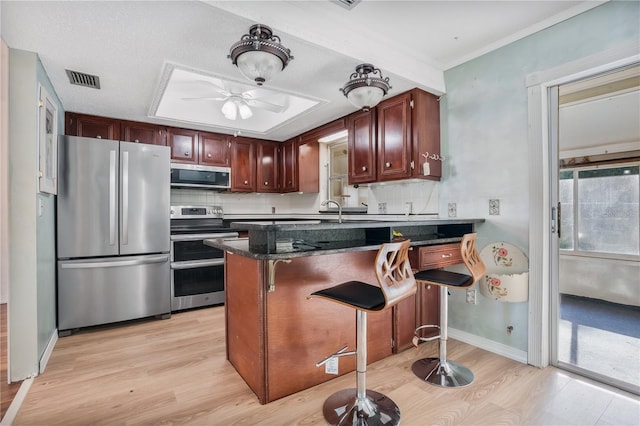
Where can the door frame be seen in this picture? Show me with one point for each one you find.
(541, 277)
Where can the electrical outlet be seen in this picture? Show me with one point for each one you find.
(494, 207)
(452, 209)
(382, 208)
(471, 296)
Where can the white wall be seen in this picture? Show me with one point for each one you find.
(613, 280)
(4, 173)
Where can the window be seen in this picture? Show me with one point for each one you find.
(600, 210)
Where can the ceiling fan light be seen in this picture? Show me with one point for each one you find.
(230, 110)
(245, 111)
(364, 89)
(259, 55)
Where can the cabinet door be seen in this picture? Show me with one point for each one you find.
(243, 165)
(289, 166)
(91, 126)
(362, 147)
(428, 308)
(184, 145)
(267, 164)
(394, 138)
(215, 149)
(132, 131)
(308, 166)
(426, 135)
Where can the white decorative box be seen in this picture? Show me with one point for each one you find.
(507, 276)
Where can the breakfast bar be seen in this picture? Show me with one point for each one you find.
(275, 335)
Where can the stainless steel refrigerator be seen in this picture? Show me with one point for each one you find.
(112, 232)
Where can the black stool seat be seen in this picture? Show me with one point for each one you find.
(355, 293)
(442, 277)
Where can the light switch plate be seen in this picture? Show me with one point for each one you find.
(494, 207)
(452, 208)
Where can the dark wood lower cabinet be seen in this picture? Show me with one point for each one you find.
(274, 339)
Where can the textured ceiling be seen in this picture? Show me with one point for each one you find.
(129, 44)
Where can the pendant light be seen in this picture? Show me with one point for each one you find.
(259, 55)
(364, 89)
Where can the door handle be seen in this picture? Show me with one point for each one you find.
(125, 197)
(112, 197)
(559, 216)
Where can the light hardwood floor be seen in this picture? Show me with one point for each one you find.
(175, 372)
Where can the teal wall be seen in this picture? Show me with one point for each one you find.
(32, 303)
(484, 140)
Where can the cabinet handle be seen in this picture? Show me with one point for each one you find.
(136, 140)
(209, 155)
(427, 286)
(186, 153)
(364, 168)
(98, 137)
(289, 182)
(447, 255)
(266, 183)
(246, 182)
(387, 164)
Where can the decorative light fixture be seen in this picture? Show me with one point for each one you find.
(364, 89)
(235, 105)
(259, 54)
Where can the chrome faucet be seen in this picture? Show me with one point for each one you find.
(326, 202)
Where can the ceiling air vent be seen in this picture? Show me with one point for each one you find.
(82, 79)
(347, 4)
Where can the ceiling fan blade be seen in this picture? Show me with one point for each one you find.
(266, 105)
(255, 94)
(206, 98)
(218, 88)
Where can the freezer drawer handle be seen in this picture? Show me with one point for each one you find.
(118, 263)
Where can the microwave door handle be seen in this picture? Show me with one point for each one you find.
(112, 197)
(125, 198)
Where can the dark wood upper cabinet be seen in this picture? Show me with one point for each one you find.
(425, 135)
(215, 149)
(243, 165)
(362, 146)
(183, 144)
(267, 166)
(289, 166)
(394, 138)
(91, 126)
(309, 166)
(133, 131)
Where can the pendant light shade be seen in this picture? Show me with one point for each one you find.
(364, 89)
(259, 55)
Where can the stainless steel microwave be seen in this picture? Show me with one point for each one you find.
(197, 176)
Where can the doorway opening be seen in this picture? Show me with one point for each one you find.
(596, 291)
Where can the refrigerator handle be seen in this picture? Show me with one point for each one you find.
(118, 263)
(125, 198)
(112, 197)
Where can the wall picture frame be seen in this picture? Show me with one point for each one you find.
(47, 143)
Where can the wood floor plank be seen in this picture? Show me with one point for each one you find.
(174, 372)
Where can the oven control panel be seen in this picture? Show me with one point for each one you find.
(196, 212)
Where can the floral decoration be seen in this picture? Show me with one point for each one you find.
(493, 284)
(501, 256)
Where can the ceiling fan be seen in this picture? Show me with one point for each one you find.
(240, 102)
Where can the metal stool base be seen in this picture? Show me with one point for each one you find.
(446, 374)
(343, 408)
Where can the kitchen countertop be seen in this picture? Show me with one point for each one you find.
(283, 239)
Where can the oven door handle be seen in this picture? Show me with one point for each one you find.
(191, 264)
(195, 237)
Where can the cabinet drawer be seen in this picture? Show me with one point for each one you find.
(432, 257)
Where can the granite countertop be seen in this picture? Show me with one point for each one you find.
(332, 224)
(241, 246)
(283, 239)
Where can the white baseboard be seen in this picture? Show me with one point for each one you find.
(488, 345)
(48, 350)
(12, 411)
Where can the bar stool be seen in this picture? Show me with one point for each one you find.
(361, 406)
(440, 371)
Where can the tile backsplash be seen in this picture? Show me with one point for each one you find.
(422, 196)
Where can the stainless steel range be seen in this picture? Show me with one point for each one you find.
(197, 270)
